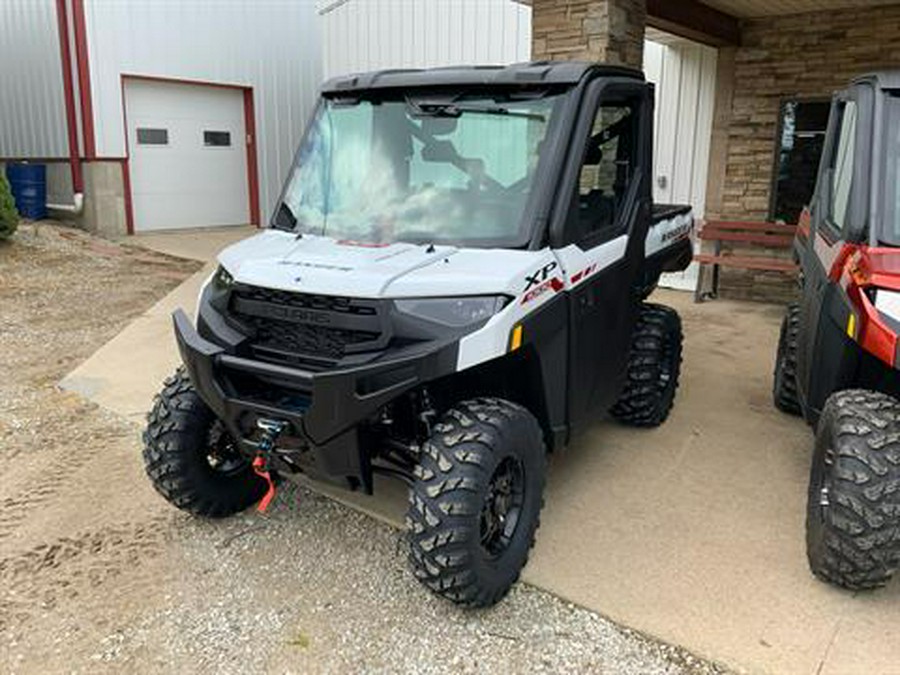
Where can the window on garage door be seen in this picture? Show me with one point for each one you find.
(147, 136)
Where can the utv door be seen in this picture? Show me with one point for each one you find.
(839, 215)
(607, 216)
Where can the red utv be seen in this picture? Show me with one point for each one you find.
(838, 361)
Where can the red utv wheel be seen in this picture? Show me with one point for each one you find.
(784, 387)
(853, 507)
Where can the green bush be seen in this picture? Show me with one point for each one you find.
(9, 217)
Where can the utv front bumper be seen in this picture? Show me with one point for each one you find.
(323, 410)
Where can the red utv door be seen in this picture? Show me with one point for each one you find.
(839, 216)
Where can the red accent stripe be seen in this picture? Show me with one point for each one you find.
(84, 78)
(126, 186)
(252, 169)
(65, 56)
(577, 277)
(126, 166)
(184, 80)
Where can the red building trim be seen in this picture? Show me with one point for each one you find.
(126, 165)
(65, 56)
(84, 78)
(184, 80)
(126, 188)
(252, 169)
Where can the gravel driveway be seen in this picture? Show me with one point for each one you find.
(99, 574)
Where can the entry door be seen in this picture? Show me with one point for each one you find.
(188, 155)
(684, 73)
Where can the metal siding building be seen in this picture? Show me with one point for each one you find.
(272, 47)
(268, 51)
(360, 35)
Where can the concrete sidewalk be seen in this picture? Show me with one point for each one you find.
(692, 532)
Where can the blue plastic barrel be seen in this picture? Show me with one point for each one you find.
(29, 189)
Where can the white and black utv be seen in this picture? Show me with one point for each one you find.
(453, 283)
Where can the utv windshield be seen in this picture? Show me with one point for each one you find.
(445, 168)
(892, 174)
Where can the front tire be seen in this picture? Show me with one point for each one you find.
(191, 459)
(475, 503)
(654, 366)
(784, 386)
(853, 506)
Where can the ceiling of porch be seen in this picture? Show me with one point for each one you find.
(747, 9)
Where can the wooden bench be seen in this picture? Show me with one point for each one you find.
(768, 235)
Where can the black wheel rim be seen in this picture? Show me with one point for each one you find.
(222, 454)
(502, 507)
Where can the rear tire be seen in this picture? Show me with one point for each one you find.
(784, 387)
(853, 507)
(475, 503)
(190, 458)
(654, 366)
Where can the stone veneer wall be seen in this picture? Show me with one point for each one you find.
(804, 55)
(611, 31)
(798, 56)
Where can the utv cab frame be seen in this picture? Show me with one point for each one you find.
(452, 284)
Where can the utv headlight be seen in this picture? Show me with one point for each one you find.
(222, 280)
(887, 302)
(453, 312)
(217, 290)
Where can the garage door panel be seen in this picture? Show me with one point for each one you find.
(188, 155)
(169, 211)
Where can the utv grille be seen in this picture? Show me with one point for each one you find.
(285, 325)
(326, 303)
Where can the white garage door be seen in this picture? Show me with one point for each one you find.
(187, 154)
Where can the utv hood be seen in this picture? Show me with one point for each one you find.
(322, 265)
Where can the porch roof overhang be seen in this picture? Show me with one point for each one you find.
(718, 22)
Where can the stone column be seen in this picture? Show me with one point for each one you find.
(609, 31)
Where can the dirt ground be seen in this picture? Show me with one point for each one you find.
(99, 574)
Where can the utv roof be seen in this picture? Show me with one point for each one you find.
(533, 73)
(883, 79)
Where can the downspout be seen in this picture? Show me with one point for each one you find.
(65, 54)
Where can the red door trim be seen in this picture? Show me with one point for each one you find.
(252, 169)
(250, 141)
(84, 78)
(126, 166)
(184, 80)
(65, 56)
